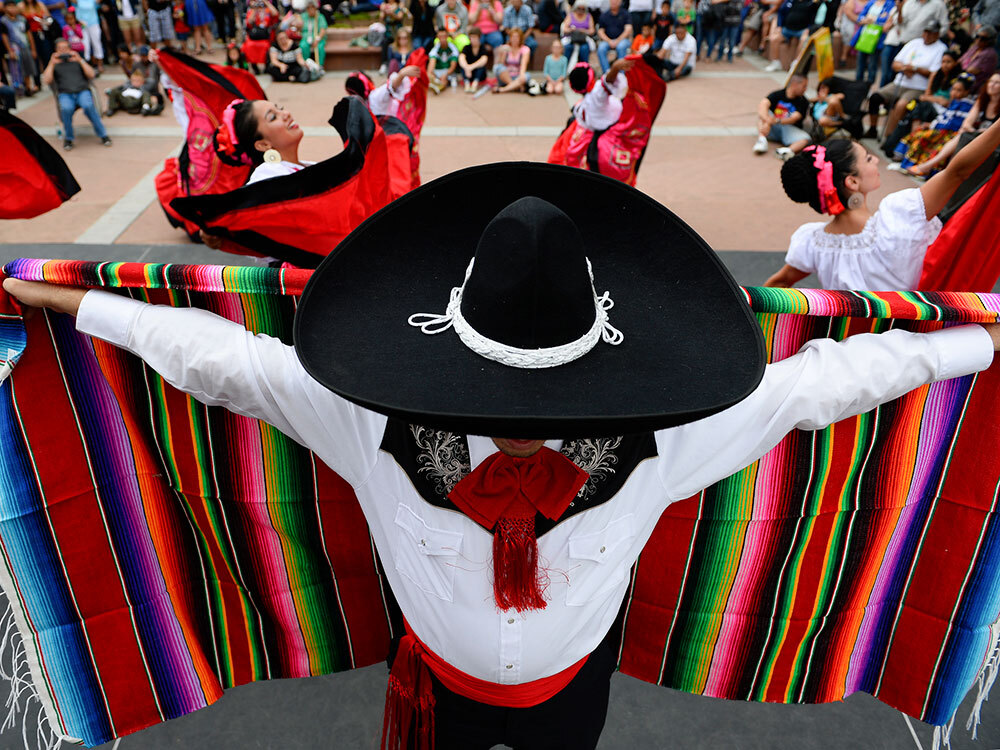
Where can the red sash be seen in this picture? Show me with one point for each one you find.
(409, 699)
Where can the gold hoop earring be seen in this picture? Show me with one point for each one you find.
(272, 156)
(855, 201)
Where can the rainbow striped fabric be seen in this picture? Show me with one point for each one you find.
(157, 551)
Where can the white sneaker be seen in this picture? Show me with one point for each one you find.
(760, 147)
(784, 153)
(383, 69)
(773, 67)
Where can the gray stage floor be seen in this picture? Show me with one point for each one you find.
(344, 710)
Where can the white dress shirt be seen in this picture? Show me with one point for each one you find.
(601, 107)
(919, 55)
(438, 561)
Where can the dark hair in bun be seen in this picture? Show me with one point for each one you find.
(798, 174)
(240, 152)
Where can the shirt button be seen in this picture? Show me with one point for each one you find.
(424, 543)
(510, 621)
(510, 666)
(602, 550)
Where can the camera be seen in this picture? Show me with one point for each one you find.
(65, 57)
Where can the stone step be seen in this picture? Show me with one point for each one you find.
(341, 56)
(344, 34)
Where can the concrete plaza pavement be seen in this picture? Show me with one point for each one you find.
(698, 163)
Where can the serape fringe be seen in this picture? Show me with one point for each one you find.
(157, 551)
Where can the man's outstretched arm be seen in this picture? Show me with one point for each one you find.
(826, 381)
(220, 363)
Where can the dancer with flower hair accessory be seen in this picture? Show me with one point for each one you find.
(290, 209)
(610, 126)
(860, 248)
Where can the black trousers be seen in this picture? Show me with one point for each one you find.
(570, 720)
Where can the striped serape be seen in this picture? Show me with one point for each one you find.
(157, 551)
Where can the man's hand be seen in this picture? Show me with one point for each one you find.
(64, 299)
(410, 71)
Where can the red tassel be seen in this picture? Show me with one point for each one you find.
(517, 581)
(409, 701)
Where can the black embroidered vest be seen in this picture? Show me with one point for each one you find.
(435, 461)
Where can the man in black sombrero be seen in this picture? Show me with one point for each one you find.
(509, 554)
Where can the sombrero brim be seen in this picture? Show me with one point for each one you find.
(692, 347)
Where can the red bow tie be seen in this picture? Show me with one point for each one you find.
(504, 492)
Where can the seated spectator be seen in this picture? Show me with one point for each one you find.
(442, 61)
(399, 51)
(555, 69)
(423, 23)
(511, 64)
(549, 15)
(643, 41)
(314, 34)
(519, 16)
(914, 66)
(261, 19)
(920, 145)
(827, 113)
(70, 74)
(452, 16)
(663, 24)
(394, 15)
(780, 118)
(235, 57)
(792, 30)
(981, 58)
(678, 53)
(286, 61)
(983, 114)
(473, 60)
(160, 21)
(144, 63)
(131, 97)
(578, 32)
(614, 32)
(19, 47)
(930, 104)
(487, 15)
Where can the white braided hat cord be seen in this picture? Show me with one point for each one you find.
(553, 356)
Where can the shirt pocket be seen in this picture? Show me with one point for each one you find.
(426, 555)
(597, 561)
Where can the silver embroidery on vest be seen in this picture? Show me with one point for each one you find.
(443, 457)
(596, 457)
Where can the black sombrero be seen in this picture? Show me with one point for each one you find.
(689, 346)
